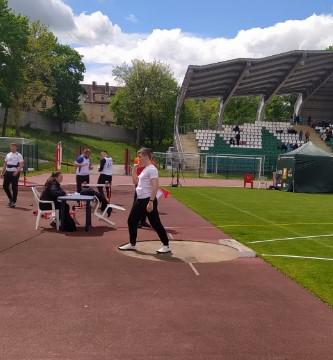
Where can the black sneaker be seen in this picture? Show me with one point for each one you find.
(109, 211)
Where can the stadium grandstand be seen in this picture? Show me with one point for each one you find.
(306, 74)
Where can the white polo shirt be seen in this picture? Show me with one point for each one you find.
(145, 187)
(13, 161)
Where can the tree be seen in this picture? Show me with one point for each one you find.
(65, 89)
(280, 107)
(39, 63)
(37, 71)
(147, 101)
(241, 109)
(14, 33)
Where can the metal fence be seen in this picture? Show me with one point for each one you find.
(28, 149)
(208, 165)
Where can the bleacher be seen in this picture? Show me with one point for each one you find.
(326, 133)
(260, 138)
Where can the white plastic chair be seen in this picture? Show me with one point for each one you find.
(53, 211)
(103, 215)
(262, 182)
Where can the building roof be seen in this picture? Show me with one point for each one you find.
(300, 71)
(91, 89)
(100, 89)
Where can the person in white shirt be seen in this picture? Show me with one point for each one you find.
(12, 167)
(83, 167)
(105, 170)
(146, 203)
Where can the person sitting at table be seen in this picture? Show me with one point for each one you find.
(52, 190)
(87, 190)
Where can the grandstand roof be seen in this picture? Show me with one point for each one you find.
(301, 71)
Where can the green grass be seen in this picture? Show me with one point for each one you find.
(71, 143)
(251, 215)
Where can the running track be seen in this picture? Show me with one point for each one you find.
(75, 297)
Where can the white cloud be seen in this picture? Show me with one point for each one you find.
(54, 13)
(104, 44)
(132, 18)
(91, 29)
(180, 49)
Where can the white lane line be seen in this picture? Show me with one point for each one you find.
(299, 257)
(196, 272)
(245, 212)
(290, 238)
(264, 225)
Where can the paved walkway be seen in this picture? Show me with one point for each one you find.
(76, 297)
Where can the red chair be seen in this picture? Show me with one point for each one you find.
(248, 179)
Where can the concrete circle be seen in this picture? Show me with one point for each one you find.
(185, 251)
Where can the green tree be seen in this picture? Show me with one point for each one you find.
(199, 114)
(39, 63)
(280, 108)
(241, 109)
(14, 31)
(65, 89)
(37, 70)
(147, 101)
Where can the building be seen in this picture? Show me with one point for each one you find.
(96, 102)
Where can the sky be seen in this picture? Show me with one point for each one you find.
(180, 32)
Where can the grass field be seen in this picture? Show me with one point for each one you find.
(47, 142)
(258, 215)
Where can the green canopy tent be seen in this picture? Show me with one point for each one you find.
(307, 169)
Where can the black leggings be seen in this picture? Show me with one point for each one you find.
(79, 180)
(10, 179)
(102, 179)
(138, 210)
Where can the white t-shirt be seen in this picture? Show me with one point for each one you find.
(13, 161)
(145, 187)
(84, 170)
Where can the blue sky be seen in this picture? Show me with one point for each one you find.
(179, 33)
(214, 18)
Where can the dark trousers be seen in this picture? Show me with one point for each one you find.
(138, 210)
(9, 180)
(102, 179)
(68, 222)
(143, 219)
(79, 180)
(100, 197)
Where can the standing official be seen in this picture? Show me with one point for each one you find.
(83, 167)
(146, 203)
(12, 167)
(105, 170)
